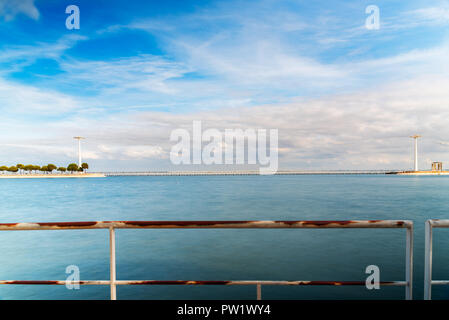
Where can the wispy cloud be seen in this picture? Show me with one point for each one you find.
(365, 129)
(14, 58)
(23, 100)
(341, 97)
(433, 16)
(145, 72)
(9, 9)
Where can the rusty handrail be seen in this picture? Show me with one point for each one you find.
(204, 282)
(428, 253)
(250, 224)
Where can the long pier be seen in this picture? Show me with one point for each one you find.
(248, 173)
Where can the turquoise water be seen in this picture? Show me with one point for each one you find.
(221, 254)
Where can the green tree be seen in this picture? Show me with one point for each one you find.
(62, 169)
(3, 168)
(36, 169)
(28, 167)
(20, 166)
(72, 167)
(44, 169)
(51, 167)
(84, 166)
(13, 169)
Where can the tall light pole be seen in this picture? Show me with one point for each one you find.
(79, 149)
(416, 150)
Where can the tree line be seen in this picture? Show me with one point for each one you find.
(49, 168)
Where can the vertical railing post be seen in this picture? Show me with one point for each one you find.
(428, 262)
(409, 264)
(112, 263)
(259, 291)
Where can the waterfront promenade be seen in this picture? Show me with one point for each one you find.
(52, 175)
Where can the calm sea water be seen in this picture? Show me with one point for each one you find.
(221, 254)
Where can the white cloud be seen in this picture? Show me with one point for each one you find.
(18, 56)
(133, 152)
(366, 129)
(142, 152)
(433, 16)
(251, 50)
(22, 100)
(9, 9)
(145, 72)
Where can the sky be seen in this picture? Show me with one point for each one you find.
(341, 96)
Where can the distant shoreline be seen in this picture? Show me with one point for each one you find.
(423, 173)
(218, 173)
(55, 175)
(290, 172)
(245, 173)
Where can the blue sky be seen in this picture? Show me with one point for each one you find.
(341, 96)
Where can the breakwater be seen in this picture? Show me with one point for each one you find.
(246, 173)
(31, 175)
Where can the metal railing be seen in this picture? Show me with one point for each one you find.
(428, 282)
(112, 225)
